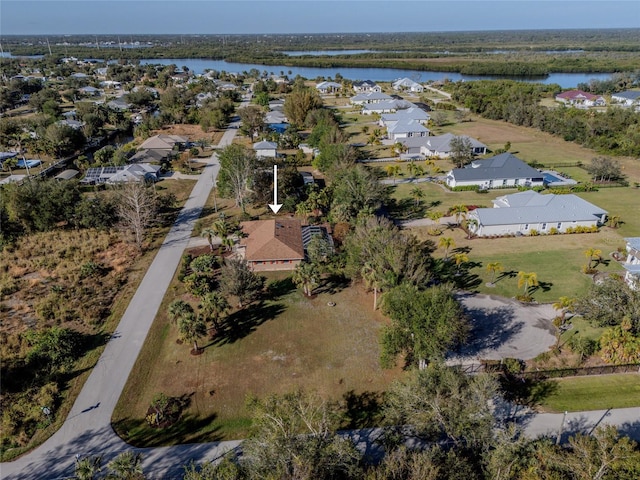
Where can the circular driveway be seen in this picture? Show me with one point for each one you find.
(505, 328)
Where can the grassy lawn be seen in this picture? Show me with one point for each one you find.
(593, 393)
(283, 343)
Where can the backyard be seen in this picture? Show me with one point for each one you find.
(278, 345)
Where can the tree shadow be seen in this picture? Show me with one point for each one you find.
(529, 392)
(241, 323)
(544, 286)
(503, 275)
(362, 410)
(279, 288)
(332, 285)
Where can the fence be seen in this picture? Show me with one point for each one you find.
(582, 371)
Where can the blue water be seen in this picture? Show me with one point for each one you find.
(198, 65)
(548, 178)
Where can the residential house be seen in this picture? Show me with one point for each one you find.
(632, 264)
(164, 142)
(411, 113)
(371, 97)
(440, 146)
(366, 86)
(328, 87)
(75, 124)
(111, 84)
(407, 85)
(90, 91)
(406, 128)
(150, 156)
(272, 244)
(119, 104)
(278, 244)
(67, 174)
(523, 213)
(265, 149)
(389, 106)
(627, 98)
(307, 178)
(125, 173)
(504, 170)
(580, 99)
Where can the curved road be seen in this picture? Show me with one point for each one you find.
(87, 430)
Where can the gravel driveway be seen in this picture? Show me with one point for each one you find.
(503, 327)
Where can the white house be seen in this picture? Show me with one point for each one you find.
(406, 128)
(371, 97)
(385, 107)
(265, 149)
(523, 212)
(328, 87)
(411, 113)
(407, 85)
(504, 170)
(440, 146)
(366, 86)
(580, 98)
(627, 98)
(632, 265)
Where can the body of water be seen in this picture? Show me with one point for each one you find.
(198, 65)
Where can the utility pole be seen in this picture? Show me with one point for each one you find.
(559, 437)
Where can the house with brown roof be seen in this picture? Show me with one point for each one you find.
(272, 244)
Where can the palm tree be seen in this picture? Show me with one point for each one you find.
(446, 243)
(418, 170)
(527, 280)
(303, 209)
(371, 278)
(228, 243)
(191, 327)
(435, 216)
(88, 467)
(213, 306)
(472, 224)
(411, 169)
(393, 171)
(614, 221)
(365, 129)
(494, 267)
(398, 148)
(221, 228)
(417, 194)
(306, 275)
(126, 466)
(459, 259)
(208, 233)
(563, 305)
(593, 254)
(178, 309)
(459, 211)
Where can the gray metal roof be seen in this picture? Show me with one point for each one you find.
(503, 166)
(536, 208)
(633, 242)
(442, 143)
(264, 145)
(629, 94)
(371, 96)
(411, 112)
(405, 125)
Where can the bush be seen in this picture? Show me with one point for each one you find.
(513, 366)
(583, 346)
(534, 232)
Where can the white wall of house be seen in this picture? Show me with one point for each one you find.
(400, 135)
(266, 153)
(494, 183)
(525, 228)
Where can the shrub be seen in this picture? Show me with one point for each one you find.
(534, 232)
(513, 366)
(553, 231)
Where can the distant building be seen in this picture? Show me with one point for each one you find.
(504, 170)
(632, 264)
(265, 149)
(580, 98)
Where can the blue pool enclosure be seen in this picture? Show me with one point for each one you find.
(28, 163)
(554, 179)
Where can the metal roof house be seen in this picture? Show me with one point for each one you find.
(366, 86)
(406, 84)
(406, 128)
(627, 98)
(328, 87)
(504, 170)
(266, 149)
(632, 265)
(440, 146)
(523, 212)
(371, 97)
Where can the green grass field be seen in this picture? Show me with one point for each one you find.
(598, 392)
(286, 342)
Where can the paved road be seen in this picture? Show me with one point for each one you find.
(87, 430)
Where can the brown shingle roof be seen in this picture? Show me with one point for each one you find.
(279, 239)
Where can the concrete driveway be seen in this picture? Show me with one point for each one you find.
(503, 327)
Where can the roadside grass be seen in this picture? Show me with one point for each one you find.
(283, 343)
(598, 392)
(581, 327)
(135, 271)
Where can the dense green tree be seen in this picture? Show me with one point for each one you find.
(356, 190)
(238, 280)
(61, 140)
(425, 324)
(252, 118)
(608, 302)
(299, 103)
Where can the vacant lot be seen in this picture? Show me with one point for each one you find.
(283, 343)
(593, 393)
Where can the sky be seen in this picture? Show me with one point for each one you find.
(55, 17)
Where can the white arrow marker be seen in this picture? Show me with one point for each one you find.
(275, 206)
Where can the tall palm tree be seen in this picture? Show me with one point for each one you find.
(213, 305)
(411, 169)
(446, 243)
(472, 224)
(307, 276)
(459, 211)
(126, 466)
(563, 305)
(393, 171)
(371, 277)
(459, 259)
(527, 280)
(177, 309)
(192, 327)
(417, 194)
(593, 254)
(228, 243)
(221, 228)
(494, 267)
(208, 233)
(418, 170)
(435, 216)
(614, 221)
